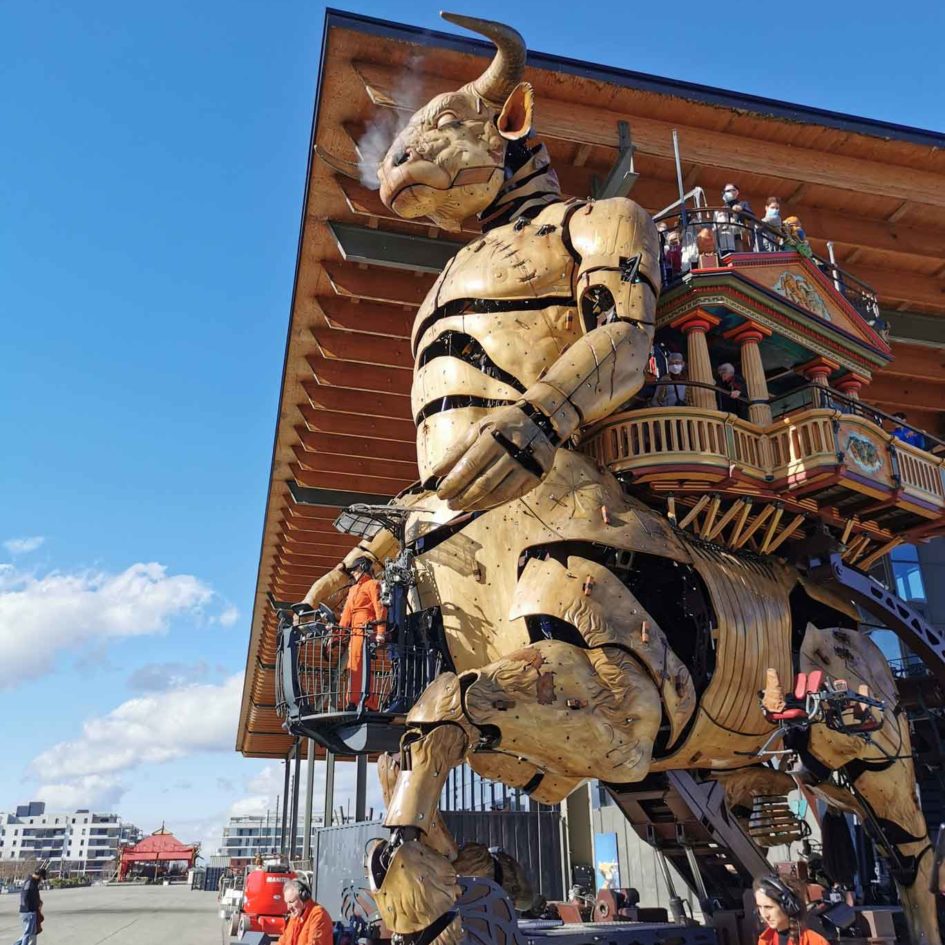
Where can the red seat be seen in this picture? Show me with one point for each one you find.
(814, 681)
(787, 714)
(800, 686)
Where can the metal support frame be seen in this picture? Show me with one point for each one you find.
(360, 793)
(309, 791)
(328, 816)
(285, 808)
(619, 182)
(294, 828)
(916, 632)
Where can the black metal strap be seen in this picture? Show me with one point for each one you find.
(541, 420)
(523, 455)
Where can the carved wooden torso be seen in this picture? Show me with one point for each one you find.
(498, 316)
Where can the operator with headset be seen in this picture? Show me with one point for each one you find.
(782, 909)
(309, 923)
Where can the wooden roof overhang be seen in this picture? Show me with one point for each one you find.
(344, 430)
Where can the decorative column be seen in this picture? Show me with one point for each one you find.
(694, 326)
(851, 384)
(749, 336)
(817, 371)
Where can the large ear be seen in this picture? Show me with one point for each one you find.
(515, 119)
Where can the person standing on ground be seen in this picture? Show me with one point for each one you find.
(363, 609)
(31, 905)
(309, 923)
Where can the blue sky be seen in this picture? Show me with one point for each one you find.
(152, 160)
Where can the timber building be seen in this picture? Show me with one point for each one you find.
(870, 196)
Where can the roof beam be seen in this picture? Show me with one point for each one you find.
(588, 124)
(902, 286)
(358, 446)
(355, 424)
(389, 285)
(359, 376)
(372, 317)
(366, 403)
(355, 465)
(384, 489)
(339, 345)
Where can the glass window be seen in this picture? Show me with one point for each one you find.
(907, 573)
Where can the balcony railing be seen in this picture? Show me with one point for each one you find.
(720, 231)
(830, 438)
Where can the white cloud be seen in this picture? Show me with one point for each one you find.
(148, 729)
(23, 546)
(229, 616)
(157, 677)
(40, 616)
(93, 792)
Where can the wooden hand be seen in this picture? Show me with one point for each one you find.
(502, 458)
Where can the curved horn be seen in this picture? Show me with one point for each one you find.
(507, 68)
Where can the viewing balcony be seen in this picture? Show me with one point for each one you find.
(830, 459)
(348, 703)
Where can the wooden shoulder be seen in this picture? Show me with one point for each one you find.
(615, 225)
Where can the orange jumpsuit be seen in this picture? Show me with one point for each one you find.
(362, 605)
(312, 927)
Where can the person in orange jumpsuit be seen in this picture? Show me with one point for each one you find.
(363, 613)
(309, 923)
(781, 908)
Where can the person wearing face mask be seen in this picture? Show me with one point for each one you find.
(769, 243)
(671, 387)
(732, 238)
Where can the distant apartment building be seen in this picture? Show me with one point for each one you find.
(74, 842)
(246, 837)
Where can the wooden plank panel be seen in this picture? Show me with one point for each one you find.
(348, 482)
(356, 424)
(365, 403)
(359, 376)
(378, 285)
(355, 465)
(374, 317)
(358, 446)
(368, 349)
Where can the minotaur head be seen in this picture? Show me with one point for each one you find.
(448, 163)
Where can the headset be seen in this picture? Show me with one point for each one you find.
(305, 893)
(776, 889)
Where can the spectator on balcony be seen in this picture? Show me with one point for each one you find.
(671, 387)
(363, 614)
(733, 396)
(768, 242)
(906, 433)
(731, 222)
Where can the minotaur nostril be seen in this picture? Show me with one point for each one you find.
(401, 158)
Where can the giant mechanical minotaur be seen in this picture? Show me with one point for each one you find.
(541, 565)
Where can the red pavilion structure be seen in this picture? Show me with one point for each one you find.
(159, 848)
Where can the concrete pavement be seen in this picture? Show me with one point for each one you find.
(120, 915)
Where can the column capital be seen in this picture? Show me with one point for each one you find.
(747, 332)
(819, 367)
(851, 383)
(697, 321)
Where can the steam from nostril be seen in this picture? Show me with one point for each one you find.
(387, 123)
